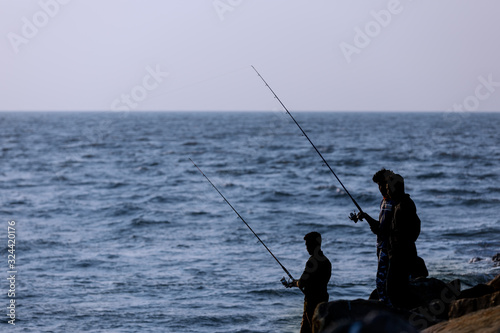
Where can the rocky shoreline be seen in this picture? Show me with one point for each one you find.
(439, 307)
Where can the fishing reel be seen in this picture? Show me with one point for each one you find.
(286, 283)
(354, 217)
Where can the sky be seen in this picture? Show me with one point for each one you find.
(180, 55)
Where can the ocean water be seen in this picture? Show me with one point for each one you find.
(117, 231)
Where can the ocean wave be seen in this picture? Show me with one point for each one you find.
(457, 198)
(475, 202)
(432, 175)
(214, 321)
(471, 233)
(462, 154)
(198, 213)
(158, 199)
(237, 172)
(451, 191)
(123, 210)
(329, 187)
(87, 263)
(113, 185)
(492, 189)
(18, 202)
(481, 176)
(140, 221)
(268, 292)
(274, 197)
(282, 194)
(59, 178)
(95, 145)
(313, 225)
(39, 244)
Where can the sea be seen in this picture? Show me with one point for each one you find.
(116, 229)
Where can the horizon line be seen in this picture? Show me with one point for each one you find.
(252, 111)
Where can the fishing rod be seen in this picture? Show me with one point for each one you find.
(260, 240)
(352, 216)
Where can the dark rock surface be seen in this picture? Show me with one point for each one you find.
(374, 322)
(484, 321)
(434, 303)
(495, 283)
(496, 258)
(467, 305)
(338, 315)
(476, 291)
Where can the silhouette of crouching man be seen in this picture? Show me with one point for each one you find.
(314, 280)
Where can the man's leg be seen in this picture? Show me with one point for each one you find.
(305, 326)
(382, 270)
(397, 281)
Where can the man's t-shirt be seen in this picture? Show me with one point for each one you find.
(315, 278)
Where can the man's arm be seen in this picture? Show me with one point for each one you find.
(374, 224)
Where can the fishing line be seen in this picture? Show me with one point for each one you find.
(260, 240)
(319, 153)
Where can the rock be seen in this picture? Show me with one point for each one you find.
(484, 321)
(475, 259)
(455, 285)
(329, 314)
(423, 291)
(495, 283)
(473, 310)
(496, 259)
(426, 290)
(337, 314)
(374, 322)
(476, 300)
(434, 298)
(467, 305)
(481, 296)
(476, 291)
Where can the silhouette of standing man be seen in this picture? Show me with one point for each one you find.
(381, 228)
(404, 231)
(314, 280)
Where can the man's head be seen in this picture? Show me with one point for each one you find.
(380, 177)
(313, 242)
(395, 186)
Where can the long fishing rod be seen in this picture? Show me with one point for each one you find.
(260, 240)
(353, 217)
